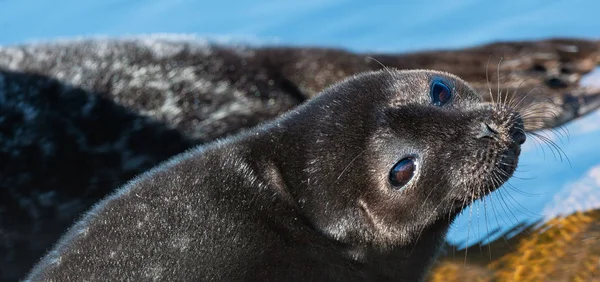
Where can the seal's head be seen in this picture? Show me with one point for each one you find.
(393, 156)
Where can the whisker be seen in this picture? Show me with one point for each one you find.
(468, 235)
(381, 64)
(523, 207)
(553, 146)
(349, 164)
(496, 180)
(496, 177)
(487, 79)
(431, 214)
(486, 225)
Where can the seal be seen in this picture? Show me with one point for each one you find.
(360, 183)
(75, 116)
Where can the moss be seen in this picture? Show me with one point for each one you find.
(563, 249)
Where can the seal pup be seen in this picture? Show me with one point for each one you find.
(360, 183)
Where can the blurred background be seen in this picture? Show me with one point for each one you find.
(546, 181)
(390, 26)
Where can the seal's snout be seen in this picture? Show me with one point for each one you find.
(501, 124)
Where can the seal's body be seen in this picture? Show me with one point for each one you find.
(360, 183)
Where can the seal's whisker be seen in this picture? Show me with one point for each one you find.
(538, 143)
(465, 201)
(495, 179)
(487, 225)
(498, 180)
(498, 78)
(516, 91)
(427, 197)
(536, 116)
(487, 79)
(526, 95)
(517, 169)
(458, 95)
(468, 229)
(349, 164)
(478, 229)
(508, 220)
(538, 119)
(553, 146)
(510, 211)
(558, 131)
(508, 184)
(511, 187)
(512, 176)
(533, 121)
(542, 112)
(507, 164)
(381, 64)
(431, 214)
(513, 95)
(516, 219)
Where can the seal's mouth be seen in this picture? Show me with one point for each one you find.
(509, 159)
(506, 166)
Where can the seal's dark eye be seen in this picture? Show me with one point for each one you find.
(402, 172)
(440, 93)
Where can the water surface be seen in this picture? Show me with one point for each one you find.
(544, 185)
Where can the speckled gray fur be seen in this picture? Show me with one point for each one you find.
(197, 88)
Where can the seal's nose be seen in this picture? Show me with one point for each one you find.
(486, 131)
(518, 135)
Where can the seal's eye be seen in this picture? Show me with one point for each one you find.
(440, 93)
(402, 172)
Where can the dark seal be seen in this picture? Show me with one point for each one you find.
(359, 184)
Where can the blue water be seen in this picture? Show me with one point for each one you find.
(547, 183)
(357, 25)
(544, 185)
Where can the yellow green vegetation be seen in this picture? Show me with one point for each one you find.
(563, 249)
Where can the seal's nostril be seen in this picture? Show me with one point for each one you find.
(486, 131)
(556, 83)
(489, 128)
